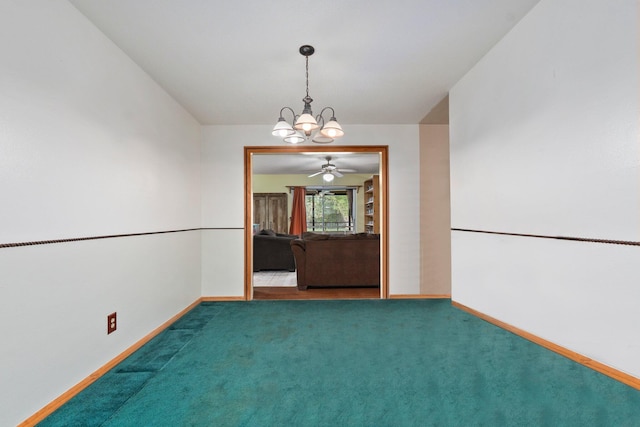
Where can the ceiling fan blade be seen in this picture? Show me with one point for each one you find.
(336, 173)
(315, 174)
(348, 170)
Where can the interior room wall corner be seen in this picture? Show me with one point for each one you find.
(435, 211)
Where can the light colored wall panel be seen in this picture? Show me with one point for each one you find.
(582, 296)
(435, 210)
(544, 140)
(55, 299)
(89, 144)
(544, 129)
(223, 263)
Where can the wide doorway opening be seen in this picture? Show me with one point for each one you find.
(343, 205)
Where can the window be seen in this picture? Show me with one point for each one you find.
(330, 210)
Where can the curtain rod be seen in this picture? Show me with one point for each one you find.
(321, 187)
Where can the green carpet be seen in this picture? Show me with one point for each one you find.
(346, 363)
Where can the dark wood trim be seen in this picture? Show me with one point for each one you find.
(248, 223)
(623, 377)
(382, 150)
(540, 236)
(108, 236)
(220, 228)
(292, 293)
(221, 299)
(420, 296)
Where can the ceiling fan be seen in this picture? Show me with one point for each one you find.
(329, 171)
(322, 193)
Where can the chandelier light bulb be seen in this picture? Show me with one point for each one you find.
(282, 128)
(332, 129)
(306, 123)
(328, 177)
(319, 138)
(295, 138)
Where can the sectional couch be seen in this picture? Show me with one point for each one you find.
(344, 260)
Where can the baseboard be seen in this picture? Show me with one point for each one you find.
(213, 299)
(66, 396)
(420, 296)
(576, 357)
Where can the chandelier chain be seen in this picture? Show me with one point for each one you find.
(307, 69)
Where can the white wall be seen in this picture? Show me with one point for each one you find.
(223, 202)
(544, 140)
(89, 146)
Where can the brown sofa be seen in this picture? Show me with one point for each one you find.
(272, 251)
(325, 260)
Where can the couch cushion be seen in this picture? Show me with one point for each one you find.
(289, 236)
(358, 236)
(307, 235)
(342, 261)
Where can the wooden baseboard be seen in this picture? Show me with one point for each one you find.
(66, 396)
(576, 357)
(213, 299)
(420, 296)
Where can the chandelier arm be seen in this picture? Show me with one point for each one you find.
(333, 113)
(293, 113)
(290, 109)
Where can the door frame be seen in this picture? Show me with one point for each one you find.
(381, 150)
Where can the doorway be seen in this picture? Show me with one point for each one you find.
(381, 153)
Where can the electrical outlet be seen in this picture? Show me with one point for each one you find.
(111, 323)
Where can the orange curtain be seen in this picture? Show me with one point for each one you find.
(298, 212)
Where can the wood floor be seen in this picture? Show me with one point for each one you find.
(282, 286)
(290, 293)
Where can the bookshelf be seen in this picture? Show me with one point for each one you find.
(372, 205)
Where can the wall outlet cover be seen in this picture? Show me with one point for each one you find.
(111, 323)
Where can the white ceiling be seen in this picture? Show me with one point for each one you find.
(308, 163)
(237, 62)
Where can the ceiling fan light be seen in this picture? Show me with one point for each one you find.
(282, 128)
(327, 177)
(306, 123)
(332, 129)
(294, 138)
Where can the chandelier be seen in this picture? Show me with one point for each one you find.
(305, 125)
